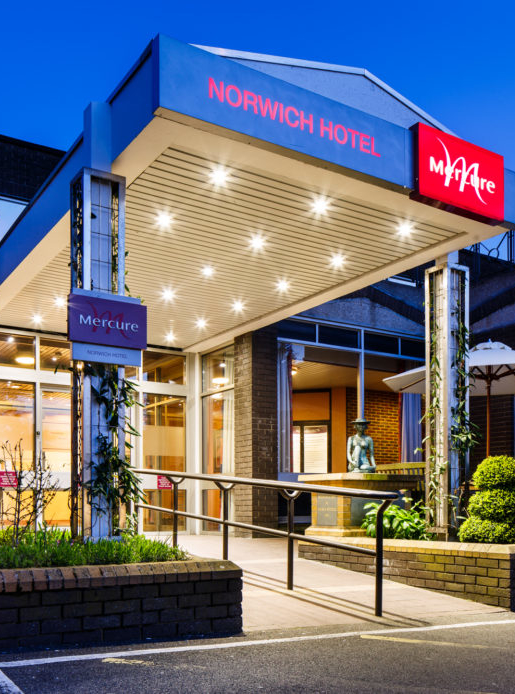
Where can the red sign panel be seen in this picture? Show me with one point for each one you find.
(163, 482)
(460, 174)
(8, 479)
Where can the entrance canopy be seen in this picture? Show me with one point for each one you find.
(249, 199)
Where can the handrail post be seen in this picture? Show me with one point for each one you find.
(225, 527)
(379, 557)
(175, 504)
(291, 517)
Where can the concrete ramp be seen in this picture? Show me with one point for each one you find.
(323, 596)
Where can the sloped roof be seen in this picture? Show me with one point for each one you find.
(352, 86)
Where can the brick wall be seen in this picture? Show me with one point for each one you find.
(24, 167)
(100, 604)
(255, 424)
(484, 573)
(501, 427)
(382, 409)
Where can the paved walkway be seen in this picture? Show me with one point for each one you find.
(323, 595)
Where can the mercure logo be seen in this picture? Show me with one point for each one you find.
(460, 174)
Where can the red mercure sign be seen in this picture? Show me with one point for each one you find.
(460, 174)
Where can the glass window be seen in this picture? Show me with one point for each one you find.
(16, 350)
(162, 367)
(164, 432)
(56, 429)
(218, 433)
(157, 521)
(413, 348)
(211, 506)
(310, 447)
(218, 369)
(338, 336)
(295, 330)
(54, 354)
(57, 512)
(376, 342)
(17, 418)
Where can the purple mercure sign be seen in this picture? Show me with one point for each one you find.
(107, 322)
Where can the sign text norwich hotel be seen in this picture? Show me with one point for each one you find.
(291, 116)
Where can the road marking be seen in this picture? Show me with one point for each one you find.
(432, 643)
(7, 686)
(123, 661)
(241, 644)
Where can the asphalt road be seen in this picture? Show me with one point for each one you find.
(463, 658)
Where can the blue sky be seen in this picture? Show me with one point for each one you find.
(454, 59)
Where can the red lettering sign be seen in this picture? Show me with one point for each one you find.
(8, 479)
(163, 482)
(460, 174)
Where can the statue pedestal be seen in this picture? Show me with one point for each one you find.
(339, 516)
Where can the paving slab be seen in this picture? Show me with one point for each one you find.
(323, 595)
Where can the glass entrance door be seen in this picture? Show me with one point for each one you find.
(56, 447)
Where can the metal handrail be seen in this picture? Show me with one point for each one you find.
(290, 491)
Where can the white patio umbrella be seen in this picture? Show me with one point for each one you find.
(492, 365)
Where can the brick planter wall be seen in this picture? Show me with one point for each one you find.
(100, 604)
(484, 573)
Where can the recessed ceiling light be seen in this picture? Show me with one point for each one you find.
(25, 360)
(294, 370)
(168, 294)
(257, 242)
(238, 306)
(37, 319)
(164, 220)
(208, 271)
(404, 228)
(320, 205)
(337, 261)
(201, 323)
(219, 176)
(170, 337)
(282, 286)
(10, 338)
(60, 301)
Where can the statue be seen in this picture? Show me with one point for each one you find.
(358, 446)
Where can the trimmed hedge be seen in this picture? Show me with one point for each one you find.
(495, 472)
(492, 508)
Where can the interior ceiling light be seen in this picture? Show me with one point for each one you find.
(238, 306)
(168, 294)
(26, 360)
(37, 319)
(219, 176)
(337, 261)
(10, 338)
(201, 323)
(404, 228)
(222, 365)
(208, 271)
(294, 370)
(220, 381)
(282, 286)
(164, 220)
(60, 301)
(170, 337)
(257, 242)
(320, 205)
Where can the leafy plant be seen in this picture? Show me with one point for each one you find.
(398, 523)
(492, 508)
(58, 548)
(113, 485)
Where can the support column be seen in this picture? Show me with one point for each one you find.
(255, 424)
(97, 263)
(446, 307)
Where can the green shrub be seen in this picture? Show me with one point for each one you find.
(398, 523)
(493, 504)
(475, 529)
(57, 548)
(495, 472)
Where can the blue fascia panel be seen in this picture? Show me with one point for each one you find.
(207, 87)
